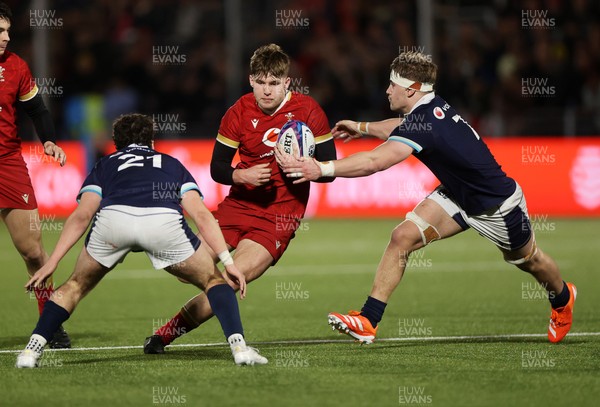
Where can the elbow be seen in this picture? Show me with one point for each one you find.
(222, 173)
(373, 166)
(214, 172)
(86, 217)
(82, 219)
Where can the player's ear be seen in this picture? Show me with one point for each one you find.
(286, 83)
(251, 80)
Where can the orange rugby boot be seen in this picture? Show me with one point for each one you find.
(353, 324)
(562, 318)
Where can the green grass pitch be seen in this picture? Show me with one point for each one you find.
(464, 329)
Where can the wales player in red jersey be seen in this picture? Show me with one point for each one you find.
(263, 209)
(18, 207)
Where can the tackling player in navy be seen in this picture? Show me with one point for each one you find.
(474, 192)
(136, 197)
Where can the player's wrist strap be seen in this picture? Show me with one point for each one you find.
(226, 258)
(363, 128)
(327, 168)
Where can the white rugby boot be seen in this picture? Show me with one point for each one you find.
(30, 357)
(243, 354)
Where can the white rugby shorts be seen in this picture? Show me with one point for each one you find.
(506, 225)
(162, 233)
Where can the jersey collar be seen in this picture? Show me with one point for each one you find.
(423, 101)
(134, 145)
(287, 97)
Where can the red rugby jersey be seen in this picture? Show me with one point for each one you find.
(254, 133)
(16, 84)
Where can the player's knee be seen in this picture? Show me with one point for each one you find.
(538, 263)
(33, 255)
(427, 232)
(531, 261)
(404, 239)
(414, 233)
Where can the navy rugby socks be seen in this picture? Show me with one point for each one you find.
(225, 307)
(373, 310)
(560, 300)
(52, 317)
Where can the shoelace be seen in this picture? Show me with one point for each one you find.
(555, 319)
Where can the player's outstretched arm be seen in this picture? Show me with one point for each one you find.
(356, 165)
(75, 226)
(210, 231)
(348, 129)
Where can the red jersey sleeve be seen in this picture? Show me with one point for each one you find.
(318, 123)
(27, 86)
(229, 130)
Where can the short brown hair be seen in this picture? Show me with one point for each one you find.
(270, 60)
(133, 128)
(415, 66)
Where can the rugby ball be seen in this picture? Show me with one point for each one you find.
(297, 133)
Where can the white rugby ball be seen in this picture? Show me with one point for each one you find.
(297, 133)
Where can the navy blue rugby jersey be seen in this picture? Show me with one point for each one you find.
(454, 152)
(139, 176)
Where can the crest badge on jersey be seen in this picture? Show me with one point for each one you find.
(438, 113)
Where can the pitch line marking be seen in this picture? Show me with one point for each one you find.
(320, 341)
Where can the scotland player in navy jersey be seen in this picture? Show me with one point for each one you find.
(474, 192)
(136, 197)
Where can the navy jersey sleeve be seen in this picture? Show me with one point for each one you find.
(188, 183)
(92, 182)
(415, 141)
(416, 131)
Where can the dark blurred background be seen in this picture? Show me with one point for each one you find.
(509, 67)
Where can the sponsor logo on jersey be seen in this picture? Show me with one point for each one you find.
(2, 74)
(254, 122)
(25, 197)
(438, 113)
(270, 137)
